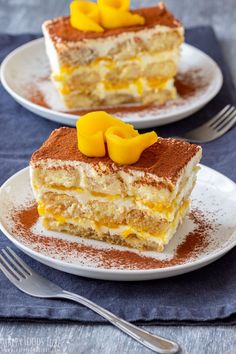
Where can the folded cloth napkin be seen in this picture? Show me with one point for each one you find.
(207, 295)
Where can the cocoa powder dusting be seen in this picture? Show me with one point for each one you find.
(189, 83)
(36, 96)
(193, 245)
(61, 31)
(164, 159)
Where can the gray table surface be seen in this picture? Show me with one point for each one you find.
(19, 16)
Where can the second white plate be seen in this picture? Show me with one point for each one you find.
(25, 75)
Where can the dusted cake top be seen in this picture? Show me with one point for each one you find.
(165, 159)
(60, 28)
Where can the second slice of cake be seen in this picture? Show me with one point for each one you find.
(139, 205)
(125, 65)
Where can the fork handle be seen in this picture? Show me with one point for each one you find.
(156, 343)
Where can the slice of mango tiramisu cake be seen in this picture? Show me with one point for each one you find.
(105, 54)
(106, 181)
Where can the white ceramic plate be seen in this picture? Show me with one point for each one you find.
(25, 75)
(211, 223)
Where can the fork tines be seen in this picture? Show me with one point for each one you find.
(225, 117)
(12, 266)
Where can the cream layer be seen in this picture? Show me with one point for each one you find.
(133, 76)
(105, 65)
(99, 179)
(100, 47)
(121, 204)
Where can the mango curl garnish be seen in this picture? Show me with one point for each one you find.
(84, 15)
(115, 14)
(110, 14)
(98, 130)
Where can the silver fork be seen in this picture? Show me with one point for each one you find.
(30, 282)
(214, 128)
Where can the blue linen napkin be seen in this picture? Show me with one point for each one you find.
(207, 295)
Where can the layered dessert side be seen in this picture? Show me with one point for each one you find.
(112, 62)
(118, 197)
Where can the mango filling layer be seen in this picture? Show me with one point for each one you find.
(71, 78)
(165, 208)
(140, 85)
(106, 62)
(123, 230)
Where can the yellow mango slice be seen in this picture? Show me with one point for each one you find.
(123, 5)
(91, 130)
(115, 14)
(125, 148)
(84, 15)
(95, 130)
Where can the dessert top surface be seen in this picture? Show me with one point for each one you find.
(166, 158)
(60, 29)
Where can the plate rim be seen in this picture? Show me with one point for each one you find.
(125, 272)
(182, 114)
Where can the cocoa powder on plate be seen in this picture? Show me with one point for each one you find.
(193, 245)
